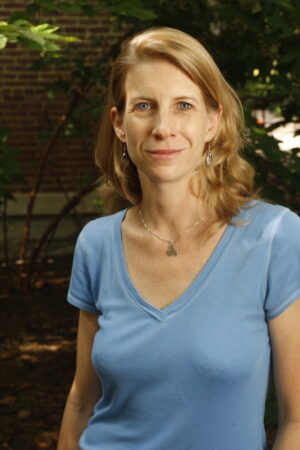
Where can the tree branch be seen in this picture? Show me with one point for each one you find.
(73, 201)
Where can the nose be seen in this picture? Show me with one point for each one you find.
(164, 125)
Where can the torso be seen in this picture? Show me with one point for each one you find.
(161, 279)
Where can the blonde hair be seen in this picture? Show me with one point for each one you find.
(228, 183)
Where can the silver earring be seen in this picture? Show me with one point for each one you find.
(124, 159)
(124, 151)
(209, 157)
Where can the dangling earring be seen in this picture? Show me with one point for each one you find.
(124, 151)
(124, 159)
(209, 157)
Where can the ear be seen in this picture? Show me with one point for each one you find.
(117, 124)
(214, 116)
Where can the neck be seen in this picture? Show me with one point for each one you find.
(170, 209)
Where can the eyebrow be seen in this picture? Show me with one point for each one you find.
(140, 98)
(187, 97)
(149, 99)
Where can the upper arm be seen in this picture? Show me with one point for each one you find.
(86, 388)
(285, 341)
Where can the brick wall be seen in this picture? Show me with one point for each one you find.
(26, 107)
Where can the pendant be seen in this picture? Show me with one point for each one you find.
(172, 250)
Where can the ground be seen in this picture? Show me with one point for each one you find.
(37, 343)
(37, 356)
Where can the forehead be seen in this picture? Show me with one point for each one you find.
(157, 77)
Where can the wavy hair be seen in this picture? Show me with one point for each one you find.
(228, 183)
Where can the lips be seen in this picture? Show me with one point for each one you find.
(164, 153)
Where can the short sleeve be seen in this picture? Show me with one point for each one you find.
(283, 274)
(80, 290)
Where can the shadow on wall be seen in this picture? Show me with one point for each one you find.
(47, 206)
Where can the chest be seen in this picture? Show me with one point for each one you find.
(218, 322)
(216, 331)
(160, 279)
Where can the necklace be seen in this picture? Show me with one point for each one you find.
(172, 250)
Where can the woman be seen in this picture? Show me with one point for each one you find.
(187, 287)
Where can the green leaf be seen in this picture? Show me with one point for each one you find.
(31, 9)
(44, 2)
(291, 55)
(30, 43)
(60, 86)
(256, 8)
(10, 169)
(282, 23)
(44, 27)
(37, 38)
(130, 8)
(285, 4)
(51, 47)
(21, 23)
(5, 134)
(22, 15)
(70, 8)
(90, 11)
(3, 41)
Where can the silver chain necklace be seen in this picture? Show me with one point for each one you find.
(172, 250)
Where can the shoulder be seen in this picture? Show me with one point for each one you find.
(263, 224)
(98, 228)
(261, 209)
(281, 233)
(270, 217)
(97, 236)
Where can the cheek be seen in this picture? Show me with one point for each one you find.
(131, 130)
(135, 134)
(194, 126)
(133, 140)
(196, 135)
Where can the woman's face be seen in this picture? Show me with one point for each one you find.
(165, 123)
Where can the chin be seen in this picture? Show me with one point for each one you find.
(165, 176)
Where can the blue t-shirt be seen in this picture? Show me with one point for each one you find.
(194, 375)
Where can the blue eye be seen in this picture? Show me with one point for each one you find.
(143, 106)
(185, 106)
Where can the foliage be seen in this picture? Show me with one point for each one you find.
(126, 9)
(10, 169)
(40, 37)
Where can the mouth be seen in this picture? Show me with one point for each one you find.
(164, 153)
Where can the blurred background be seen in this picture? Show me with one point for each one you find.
(55, 59)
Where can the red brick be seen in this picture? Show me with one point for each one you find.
(5, 61)
(14, 6)
(26, 61)
(75, 30)
(26, 108)
(63, 21)
(31, 76)
(7, 76)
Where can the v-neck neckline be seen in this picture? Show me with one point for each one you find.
(194, 288)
